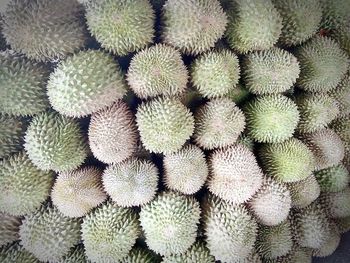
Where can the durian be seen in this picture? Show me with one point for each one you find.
(12, 132)
(336, 204)
(9, 228)
(333, 179)
(85, 83)
(238, 95)
(342, 36)
(341, 126)
(330, 245)
(76, 255)
(297, 255)
(304, 192)
(15, 253)
(342, 94)
(335, 13)
(140, 255)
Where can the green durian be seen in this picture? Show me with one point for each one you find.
(336, 13)
(330, 245)
(336, 204)
(76, 255)
(342, 94)
(14, 253)
(9, 228)
(333, 179)
(141, 255)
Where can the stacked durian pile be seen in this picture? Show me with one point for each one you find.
(174, 131)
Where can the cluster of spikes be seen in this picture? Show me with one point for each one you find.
(170, 131)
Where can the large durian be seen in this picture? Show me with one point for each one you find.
(14, 253)
(330, 245)
(9, 228)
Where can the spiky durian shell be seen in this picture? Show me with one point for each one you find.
(274, 241)
(343, 224)
(121, 26)
(297, 255)
(215, 73)
(186, 170)
(238, 95)
(327, 147)
(289, 161)
(336, 204)
(23, 187)
(342, 35)
(342, 94)
(191, 26)
(85, 83)
(272, 202)
(23, 85)
(304, 192)
(330, 245)
(234, 174)
(301, 19)
(335, 13)
(229, 229)
(109, 233)
(164, 125)
(12, 131)
(55, 142)
(76, 255)
(271, 118)
(316, 111)
(113, 133)
(158, 70)
(140, 255)
(170, 223)
(48, 234)
(139, 177)
(218, 123)
(44, 30)
(270, 71)
(253, 25)
(323, 64)
(341, 126)
(9, 228)
(14, 253)
(333, 179)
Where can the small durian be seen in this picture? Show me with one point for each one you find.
(193, 27)
(336, 204)
(230, 230)
(9, 228)
(253, 25)
(330, 245)
(301, 19)
(23, 85)
(140, 255)
(186, 170)
(164, 125)
(14, 253)
(44, 30)
(215, 73)
(335, 13)
(272, 202)
(23, 187)
(122, 26)
(85, 83)
(113, 133)
(234, 174)
(341, 126)
(170, 223)
(48, 234)
(76, 193)
(289, 161)
(109, 233)
(316, 111)
(76, 255)
(323, 64)
(238, 95)
(158, 70)
(271, 118)
(55, 142)
(131, 183)
(333, 179)
(270, 71)
(342, 94)
(274, 241)
(304, 192)
(218, 123)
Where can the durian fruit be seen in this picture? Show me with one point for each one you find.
(12, 131)
(76, 193)
(215, 73)
(310, 226)
(23, 84)
(330, 245)
(48, 234)
(170, 223)
(301, 19)
(333, 179)
(304, 192)
(44, 30)
(158, 70)
(271, 118)
(343, 224)
(76, 255)
(323, 64)
(164, 125)
(289, 161)
(230, 230)
(342, 35)
(140, 255)
(316, 111)
(9, 228)
(113, 133)
(253, 25)
(14, 253)
(55, 142)
(297, 255)
(193, 27)
(327, 147)
(342, 94)
(85, 83)
(239, 94)
(131, 183)
(335, 13)
(23, 187)
(274, 241)
(198, 252)
(218, 123)
(336, 204)
(341, 126)
(186, 170)
(272, 202)
(109, 233)
(121, 26)
(270, 71)
(234, 174)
